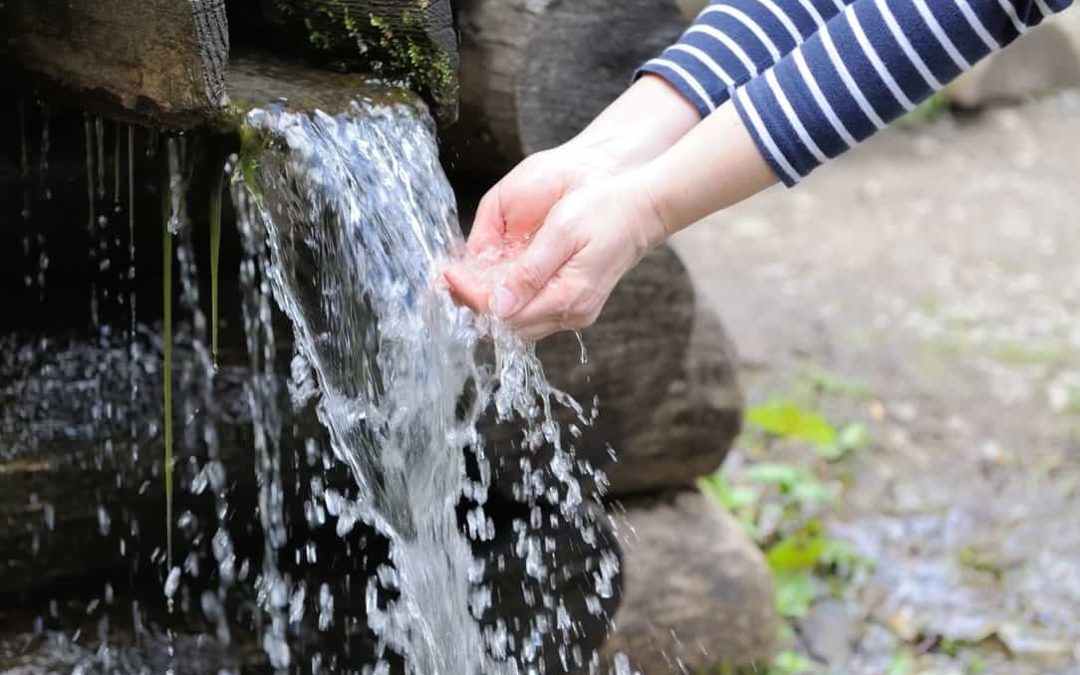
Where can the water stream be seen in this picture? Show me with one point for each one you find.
(345, 223)
(359, 219)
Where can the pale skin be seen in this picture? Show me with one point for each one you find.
(566, 224)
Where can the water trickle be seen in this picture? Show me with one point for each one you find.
(216, 187)
(99, 146)
(167, 371)
(91, 214)
(43, 159)
(359, 220)
(117, 141)
(177, 159)
(24, 160)
(264, 403)
(132, 335)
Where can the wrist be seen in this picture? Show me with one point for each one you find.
(628, 138)
(643, 185)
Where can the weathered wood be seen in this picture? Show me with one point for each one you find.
(533, 74)
(696, 591)
(260, 80)
(412, 41)
(165, 62)
(159, 60)
(665, 376)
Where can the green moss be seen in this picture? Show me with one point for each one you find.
(253, 143)
(391, 46)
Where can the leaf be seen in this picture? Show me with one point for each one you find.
(796, 553)
(791, 663)
(786, 419)
(732, 498)
(852, 436)
(902, 664)
(810, 491)
(794, 593)
(773, 473)
(842, 555)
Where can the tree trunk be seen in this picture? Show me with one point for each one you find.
(664, 374)
(533, 74)
(159, 60)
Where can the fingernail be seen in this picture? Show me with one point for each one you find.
(504, 302)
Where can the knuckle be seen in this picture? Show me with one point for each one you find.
(581, 311)
(529, 276)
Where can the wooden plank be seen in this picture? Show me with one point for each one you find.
(157, 60)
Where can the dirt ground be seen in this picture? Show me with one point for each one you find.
(939, 267)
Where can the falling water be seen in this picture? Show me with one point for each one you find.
(360, 219)
(345, 222)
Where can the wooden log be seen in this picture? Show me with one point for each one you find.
(158, 60)
(664, 374)
(533, 74)
(697, 592)
(168, 63)
(409, 41)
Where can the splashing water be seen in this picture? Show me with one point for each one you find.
(359, 219)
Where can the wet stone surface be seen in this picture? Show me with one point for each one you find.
(938, 267)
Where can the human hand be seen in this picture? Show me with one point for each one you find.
(557, 274)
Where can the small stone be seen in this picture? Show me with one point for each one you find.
(827, 631)
(904, 624)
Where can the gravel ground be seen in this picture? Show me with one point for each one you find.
(938, 266)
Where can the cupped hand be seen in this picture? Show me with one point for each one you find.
(547, 270)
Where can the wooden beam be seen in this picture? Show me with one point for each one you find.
(157, 60)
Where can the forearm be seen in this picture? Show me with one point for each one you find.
(630, 137)
(711, 168)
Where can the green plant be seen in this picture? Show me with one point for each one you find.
(792, 663)
(783, 503)
(785, 419)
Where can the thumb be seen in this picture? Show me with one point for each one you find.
(526, 276)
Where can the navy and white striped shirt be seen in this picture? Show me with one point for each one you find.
(811, 78)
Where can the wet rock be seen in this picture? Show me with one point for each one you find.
(827, 631)
(696, 590)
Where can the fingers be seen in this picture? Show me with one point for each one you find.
(489, 224)
(518, 204)
(564, 305)
(530, 273)
(465, 289)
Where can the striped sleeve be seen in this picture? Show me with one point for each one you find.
(811, 78)
(734, 40)
(870, 64)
